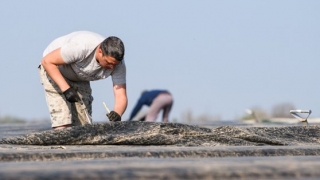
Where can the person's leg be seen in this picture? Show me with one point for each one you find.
(154, 110)
(168, 101)
(158, 103)
(59, 110)
(79, 116)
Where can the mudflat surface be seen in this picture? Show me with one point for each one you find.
(139, 150)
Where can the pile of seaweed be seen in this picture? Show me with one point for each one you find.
(177, 134)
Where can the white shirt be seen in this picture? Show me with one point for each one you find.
(78, 52)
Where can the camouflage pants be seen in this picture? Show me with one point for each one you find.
(61, 111)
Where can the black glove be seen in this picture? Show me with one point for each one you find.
(114, 116)
(71, 95)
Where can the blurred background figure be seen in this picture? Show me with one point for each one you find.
(156, 100)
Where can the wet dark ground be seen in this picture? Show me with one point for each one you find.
(138, 150)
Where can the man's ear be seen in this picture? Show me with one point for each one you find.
(99, 49)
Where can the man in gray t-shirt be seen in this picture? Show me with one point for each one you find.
(69, 64)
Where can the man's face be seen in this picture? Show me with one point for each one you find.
(107, 62)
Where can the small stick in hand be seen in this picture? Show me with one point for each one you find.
(105, 106)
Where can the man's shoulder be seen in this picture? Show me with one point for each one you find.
(83, 41)
(86, 36)
(85, 33)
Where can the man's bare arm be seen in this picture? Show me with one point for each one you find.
(50, 63)
(121, 100)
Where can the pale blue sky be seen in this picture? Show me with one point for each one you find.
(216, 57)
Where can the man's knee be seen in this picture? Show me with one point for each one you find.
(62, 127)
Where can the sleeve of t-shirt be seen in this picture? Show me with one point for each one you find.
(119, 74)
(72, 52)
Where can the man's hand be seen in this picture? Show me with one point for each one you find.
(114, 116)
(71, 95)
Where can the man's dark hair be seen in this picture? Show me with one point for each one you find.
(113, 46)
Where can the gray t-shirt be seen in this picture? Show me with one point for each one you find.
(78, 51)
